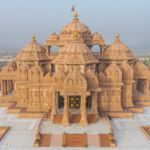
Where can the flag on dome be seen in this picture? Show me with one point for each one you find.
(72, 9)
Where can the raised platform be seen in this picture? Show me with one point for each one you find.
(74, 118)
(144, 103)
(137, 108)
(126, 113)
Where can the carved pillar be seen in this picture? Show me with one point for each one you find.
(134, 89)
(8, 86)
(47, 50)
(102, 49)
(95, 110)
(146, 87)
(54, 109)
(5, 90)
(2, 88)
(65, 120)
(83, 120)
(141, 85)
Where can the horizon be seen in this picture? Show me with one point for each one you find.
(21, 19)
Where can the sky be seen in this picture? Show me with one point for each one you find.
(19, 19)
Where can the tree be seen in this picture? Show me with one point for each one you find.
(145, 63)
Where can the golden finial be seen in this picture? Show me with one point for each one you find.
(117, 35)
(75, 34)
(33, 36)
(75, 15)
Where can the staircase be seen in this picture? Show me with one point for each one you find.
(45, 140)
(76, 140)
(104, 140)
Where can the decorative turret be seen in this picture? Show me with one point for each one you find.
(32, 51)
(118, 50)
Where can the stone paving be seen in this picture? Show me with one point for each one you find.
(22, 131)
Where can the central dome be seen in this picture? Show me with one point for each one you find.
(77, 26)
(75, 53)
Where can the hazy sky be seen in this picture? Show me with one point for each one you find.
(19, 19)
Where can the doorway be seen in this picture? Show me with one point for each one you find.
(60, 101)
(89, 101)
(74, 102)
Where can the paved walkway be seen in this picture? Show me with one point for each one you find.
(127, 133)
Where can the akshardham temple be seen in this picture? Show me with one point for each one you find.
(75, 78)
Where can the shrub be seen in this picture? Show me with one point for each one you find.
(110, 133)
(85, 145)
(36, 140)
(63, 145)
(112, 140)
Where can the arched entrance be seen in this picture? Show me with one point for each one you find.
(74, 102)
(60, 101)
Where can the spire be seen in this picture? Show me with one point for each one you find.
(75, 15)
(33, 36)
(117, 35)
(75, 34)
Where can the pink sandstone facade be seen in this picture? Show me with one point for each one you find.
(75, 77)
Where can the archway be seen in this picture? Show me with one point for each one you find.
(54, 49)
(95, 48)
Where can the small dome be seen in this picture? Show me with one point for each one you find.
(75, 47)
(97, 36)
(73, 26)
(32, 51)
(117, 45)
(53, 36)
(117, 50)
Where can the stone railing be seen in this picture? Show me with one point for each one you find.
(3, 131)
(144, 129)
(53, 53)
(111, 135)
(95, 53)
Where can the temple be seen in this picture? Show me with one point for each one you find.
(75, 78)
